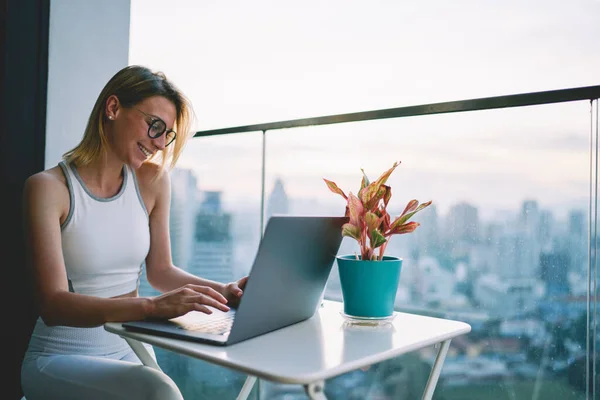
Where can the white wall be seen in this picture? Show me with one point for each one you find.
(89, 43)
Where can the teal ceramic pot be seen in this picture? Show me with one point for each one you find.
(369, 287)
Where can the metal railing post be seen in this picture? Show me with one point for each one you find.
(263, 187)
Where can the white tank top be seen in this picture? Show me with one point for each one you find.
(104, 240)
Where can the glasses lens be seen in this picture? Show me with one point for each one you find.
(170, 136)
(156, 129)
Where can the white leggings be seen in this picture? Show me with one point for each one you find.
(89, 364)
(121, 376)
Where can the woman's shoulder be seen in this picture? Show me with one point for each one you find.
(51, 180)
(152, 177)
(46, 191)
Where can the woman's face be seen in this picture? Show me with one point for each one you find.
(129, 134)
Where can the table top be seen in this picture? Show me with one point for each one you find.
(319, 348)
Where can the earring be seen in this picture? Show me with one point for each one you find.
(110, 117)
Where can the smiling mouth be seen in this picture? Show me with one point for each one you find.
(144, 150)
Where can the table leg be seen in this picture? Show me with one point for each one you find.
(435, 371)
(142, 353)
(316, 390)
(247, 388)
(140, 350)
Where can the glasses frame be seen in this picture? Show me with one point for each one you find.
(154, 119)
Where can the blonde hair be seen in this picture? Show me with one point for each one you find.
(131, 85)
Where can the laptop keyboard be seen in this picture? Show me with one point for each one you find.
(216, 326)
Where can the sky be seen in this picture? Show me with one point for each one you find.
(264, 61)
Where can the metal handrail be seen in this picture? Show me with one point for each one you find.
(485, 103)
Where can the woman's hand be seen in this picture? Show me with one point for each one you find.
(233, 291)
(185, 299)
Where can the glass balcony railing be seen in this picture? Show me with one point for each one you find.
(509, 245)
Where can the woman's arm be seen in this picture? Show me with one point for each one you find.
(44, 201)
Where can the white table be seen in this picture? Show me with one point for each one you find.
(322, 347)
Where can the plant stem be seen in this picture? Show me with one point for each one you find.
(382, 249)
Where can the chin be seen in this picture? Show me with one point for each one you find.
(136, 163)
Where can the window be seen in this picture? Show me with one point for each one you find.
(504, 248)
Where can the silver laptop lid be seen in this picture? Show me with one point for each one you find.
(289, 274)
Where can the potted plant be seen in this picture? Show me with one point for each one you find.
(370, 280)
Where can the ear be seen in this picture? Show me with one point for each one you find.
(112, 107)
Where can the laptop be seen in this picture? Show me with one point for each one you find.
(284, 287)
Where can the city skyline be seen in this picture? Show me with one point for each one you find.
(463, 221)
(336, 205)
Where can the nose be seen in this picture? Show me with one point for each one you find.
(160, 142)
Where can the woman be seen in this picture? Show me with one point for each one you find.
(91, 222)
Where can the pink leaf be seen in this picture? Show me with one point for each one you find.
(410, 207)
(373, 188)
(365, 180)
(372, 220)
(377, 239)
(351, 231)
(335, 189)
(406, 228)
(376, 199)
(406, 216)
(387, 196)
(356, 210)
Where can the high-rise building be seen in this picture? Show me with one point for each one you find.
(545, 229)
(426, 237)
(577, 223)
(554, 268)
(530, 217)
(211, 203)
(556, 305)
(518, 256)
(278, 202)
(577, 241)
(182, 213)
(213, 244)
(463, 223)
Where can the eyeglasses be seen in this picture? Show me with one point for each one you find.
(156, 127)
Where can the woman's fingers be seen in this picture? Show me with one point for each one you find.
(207, 300)
(189, 298)
(234, 289)
(240, 286)
(208, 291)
(200, 307)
